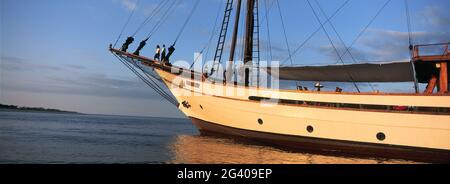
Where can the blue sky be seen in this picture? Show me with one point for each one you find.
(54, 52)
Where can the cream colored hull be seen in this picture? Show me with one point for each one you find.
(209, 103)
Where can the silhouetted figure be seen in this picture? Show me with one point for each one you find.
(141, 46)
(127, 43)
(171, 50)
(157, 53)
(163, 54)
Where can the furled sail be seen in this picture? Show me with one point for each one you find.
(399, 71)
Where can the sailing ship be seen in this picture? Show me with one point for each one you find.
(412, 126)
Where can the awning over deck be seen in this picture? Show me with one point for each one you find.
(400, 71)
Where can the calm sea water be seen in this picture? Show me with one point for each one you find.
(48, 138)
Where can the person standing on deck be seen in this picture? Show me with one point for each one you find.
(158, 53)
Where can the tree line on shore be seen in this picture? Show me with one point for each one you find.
(15, 107)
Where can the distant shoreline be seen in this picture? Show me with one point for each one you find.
(4, 107)
(14, 108)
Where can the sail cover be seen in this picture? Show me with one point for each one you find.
(399, 71)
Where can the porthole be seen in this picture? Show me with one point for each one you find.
(310, 129)
(381, 136)
(260, 121)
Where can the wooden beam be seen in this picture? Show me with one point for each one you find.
(416, 52)
(229, 73)
(235, 30)
(443, 79)
(435, 58)
(431, 85)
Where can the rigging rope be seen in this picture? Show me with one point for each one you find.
(268, 30)
(126, 24)
(408, 20)
(216, 32)
(340, 38)
(331, 41)
(152, 79)
(155, 11)
(325, 31)
(334, 29)
(268, 8)
(170, 10)
(411, 47)
(157, 90)
(316, 31)
(368, 25)
(186, 22)
(213, 33)
(284, 31)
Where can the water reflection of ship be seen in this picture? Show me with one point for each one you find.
(204, 149)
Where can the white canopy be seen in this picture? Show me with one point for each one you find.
(400, 71)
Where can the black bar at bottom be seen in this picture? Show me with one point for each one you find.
(221, 173)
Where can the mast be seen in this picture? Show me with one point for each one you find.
(248, 44)
(234, 41)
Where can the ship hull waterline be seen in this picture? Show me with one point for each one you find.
(323, 146)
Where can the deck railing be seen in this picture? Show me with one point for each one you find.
(443, 56)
